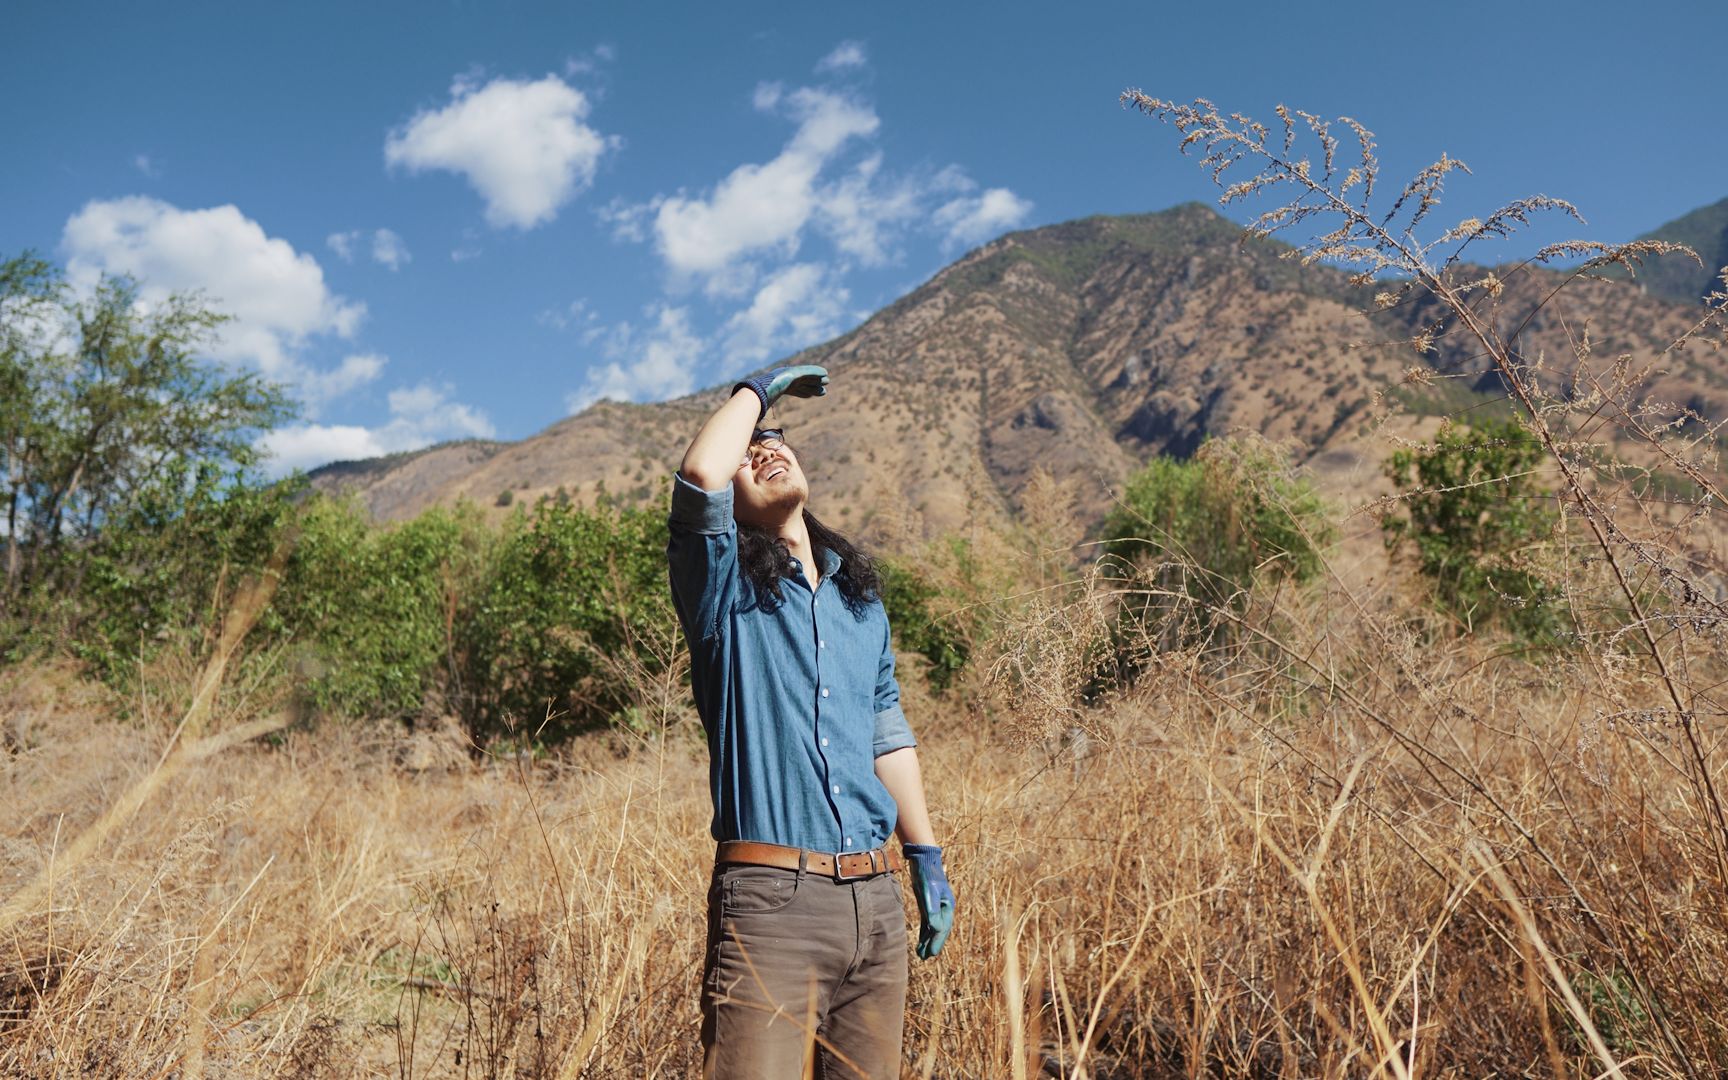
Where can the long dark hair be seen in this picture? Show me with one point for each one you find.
(765, 559)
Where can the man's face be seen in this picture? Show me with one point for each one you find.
(770, 486)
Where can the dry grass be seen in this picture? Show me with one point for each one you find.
(312, 908)
(1346, 849)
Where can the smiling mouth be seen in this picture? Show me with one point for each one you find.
(773, 471)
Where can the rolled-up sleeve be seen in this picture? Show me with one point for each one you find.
(705, 513)
(701, 556)
(892, 730)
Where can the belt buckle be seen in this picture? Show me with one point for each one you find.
(841, 877)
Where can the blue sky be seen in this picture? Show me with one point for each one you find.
(446, 220)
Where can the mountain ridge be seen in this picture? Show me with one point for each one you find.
(1677, 277)
(1081, 349)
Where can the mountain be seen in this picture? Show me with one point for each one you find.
(1677, 277)
(1080, 349)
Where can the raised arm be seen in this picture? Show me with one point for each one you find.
(714, 454)
(717, 449)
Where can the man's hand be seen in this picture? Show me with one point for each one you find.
(935, 898)
(800, 380)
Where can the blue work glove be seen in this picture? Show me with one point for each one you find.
(801, 380)
(935, 898)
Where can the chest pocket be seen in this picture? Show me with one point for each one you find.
(850, 651)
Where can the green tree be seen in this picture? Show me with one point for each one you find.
(1207, 528)
(1472, 507)
(29, 288)
(108, 408)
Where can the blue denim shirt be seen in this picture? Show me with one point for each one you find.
(798, 702)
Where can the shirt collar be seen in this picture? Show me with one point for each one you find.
(829, 560)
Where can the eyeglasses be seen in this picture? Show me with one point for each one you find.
(769, 439)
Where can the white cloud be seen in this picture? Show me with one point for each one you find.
(862, 212)
(143, 164)
(522, 145)
(342, 243)
(576, 315)
(761, 213)
(746, 244)
(795, 307)
(767, 95)
(276, 295)
(419, 416)
(952, 178)
(424, 411)
(761, 208)
(650, 365)
(627, 221)
(846, 56)
(318, 388)
(307, 446)
(389, 250)
(601, 55)
(973, 219)
(469, 248)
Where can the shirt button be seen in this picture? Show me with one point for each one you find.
(821, 644)
(813, 603)
(848, 841)
(824, 691)
(824, 742)
(836, 789)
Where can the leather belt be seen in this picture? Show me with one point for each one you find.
(839, 865)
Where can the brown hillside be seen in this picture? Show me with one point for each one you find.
(1080, 348)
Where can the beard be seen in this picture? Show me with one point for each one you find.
(773, 503)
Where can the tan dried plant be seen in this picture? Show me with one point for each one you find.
(1638, 554)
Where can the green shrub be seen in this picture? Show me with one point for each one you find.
(913, 603)
(159, 572)
(368, 614)
(574, 627)
(1205, 529)
(1472, 508)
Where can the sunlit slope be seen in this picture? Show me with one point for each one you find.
(1080, 349)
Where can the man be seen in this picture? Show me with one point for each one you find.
(811, 763)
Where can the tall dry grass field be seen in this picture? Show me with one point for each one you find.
(1359, 852)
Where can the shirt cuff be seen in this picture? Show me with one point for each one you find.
(708, 513)
(892, 731)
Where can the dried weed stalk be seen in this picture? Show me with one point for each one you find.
(1639, 556)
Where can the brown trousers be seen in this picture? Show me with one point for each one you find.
(805, 976)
